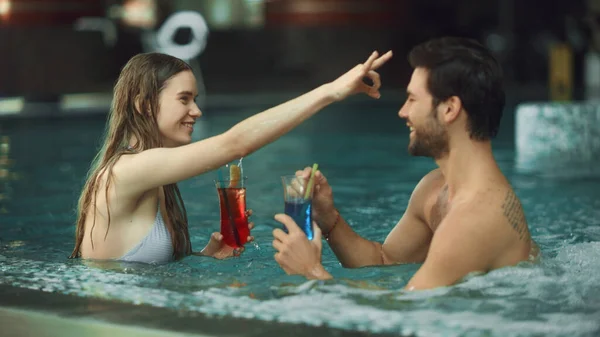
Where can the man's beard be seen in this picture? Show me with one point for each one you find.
(430, 141)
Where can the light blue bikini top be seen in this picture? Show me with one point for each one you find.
(156, 247)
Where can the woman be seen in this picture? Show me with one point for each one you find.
(130, 208)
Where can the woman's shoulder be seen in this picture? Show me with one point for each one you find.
(116, 175)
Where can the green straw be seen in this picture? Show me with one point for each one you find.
(311, 181)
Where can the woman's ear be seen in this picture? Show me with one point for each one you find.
(138, 106)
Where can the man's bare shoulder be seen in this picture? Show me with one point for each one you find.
(494, 216)
(433, 177)
(425, 192)
(431, 182)
(498, 203)
(513, 214)
(503, 208)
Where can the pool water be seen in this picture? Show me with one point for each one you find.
(362, 151)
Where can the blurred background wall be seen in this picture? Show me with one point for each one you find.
(49, 48)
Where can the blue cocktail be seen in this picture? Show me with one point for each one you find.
(298, 205)
(300, 211)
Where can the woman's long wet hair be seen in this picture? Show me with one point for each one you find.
(142, 80)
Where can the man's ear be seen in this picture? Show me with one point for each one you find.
(451, 109)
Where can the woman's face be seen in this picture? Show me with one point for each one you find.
(178, 111)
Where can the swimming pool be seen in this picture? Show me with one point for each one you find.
(362, 150)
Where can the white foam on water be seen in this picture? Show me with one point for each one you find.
(558, 297)
(551, 137)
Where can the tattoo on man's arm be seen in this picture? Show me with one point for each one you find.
(513, 211)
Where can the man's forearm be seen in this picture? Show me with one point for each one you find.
(351, 249)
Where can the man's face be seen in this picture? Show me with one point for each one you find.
(428, 136)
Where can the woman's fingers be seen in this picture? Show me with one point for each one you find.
(381, 60)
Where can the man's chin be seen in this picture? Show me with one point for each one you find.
(417, 152)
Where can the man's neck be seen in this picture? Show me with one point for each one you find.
(466, 161)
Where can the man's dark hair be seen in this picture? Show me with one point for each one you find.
(464, 68)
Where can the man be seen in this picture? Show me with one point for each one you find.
(462, 217)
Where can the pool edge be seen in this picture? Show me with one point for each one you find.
(17, 323)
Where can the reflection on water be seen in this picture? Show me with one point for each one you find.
(6, 175)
